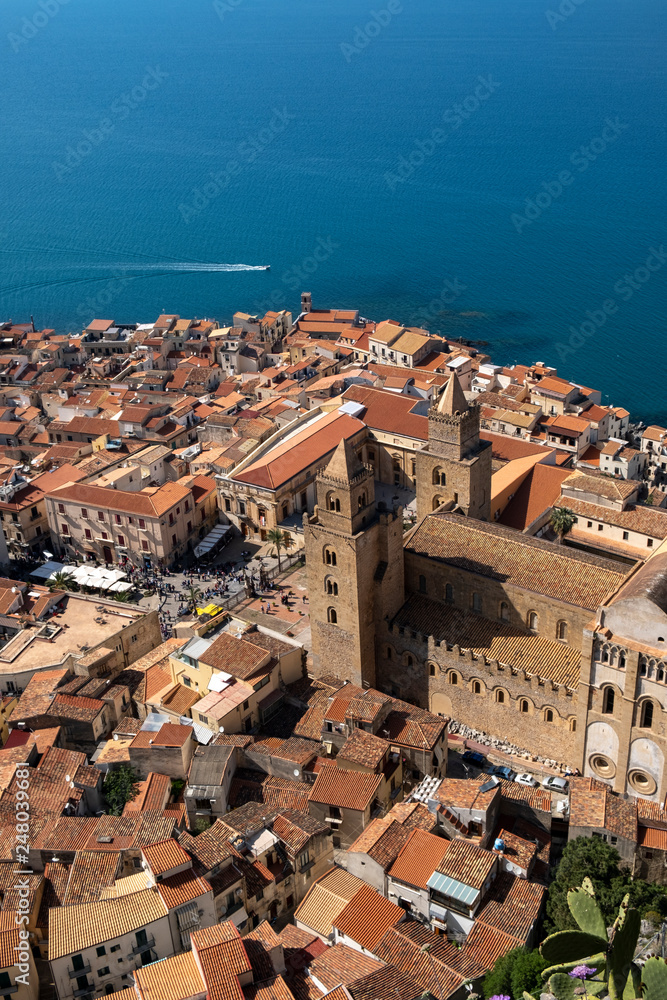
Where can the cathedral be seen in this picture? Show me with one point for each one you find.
(555, 649)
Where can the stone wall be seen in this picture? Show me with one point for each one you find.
(483, 694)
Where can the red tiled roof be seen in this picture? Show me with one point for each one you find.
(367, 917)
(345, 789)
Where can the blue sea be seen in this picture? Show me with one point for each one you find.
(493, 169)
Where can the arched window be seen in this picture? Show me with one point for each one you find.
(332, 617)
(532, 619)
(330, 557)
(523, 705)
(389, 653)
(476, 602)
(439, 477)
(431, 669)
(548, 716)
(504, 611)
(449, 593)
(476, 687)
(500, 697)
(646, 721)
(561, 631)
(608, 701)
(361, 501)
(422, 583)
(573, 725)
(408, 660)
(332, 587)
(621, 660)
(453, 677)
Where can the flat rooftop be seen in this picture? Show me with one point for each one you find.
(74, 629)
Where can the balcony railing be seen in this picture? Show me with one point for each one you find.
(75, 973)
(6, 991)
(86, 991)
(144, 946)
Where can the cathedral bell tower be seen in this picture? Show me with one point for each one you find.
(455, 466)
(354, 558)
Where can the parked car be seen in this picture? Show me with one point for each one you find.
(554, 784)
(526, 779)
(500, 771)
(473, 757)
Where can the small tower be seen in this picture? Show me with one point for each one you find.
(455, 466)
(306, 302)
(354, 558)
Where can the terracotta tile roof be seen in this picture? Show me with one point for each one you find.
(410, 726)
(89, 873)
(209, 848)
(462, 793)
(517, 560)
(536, 494)
(483, 946)
(341, 964)
(235, 656)
(285, 794)
(312, 445)
(538, 799)
(345, 789)
(437, 971)
(270, 989)
(150, 504)
(164, 856)
(367, 917)
(388, 982)
(168, 735)
(413, 815)
(600, 808)
(506, 449)
(326, 899)
(74, 928)
(390, 412)
(646, 520)
(492, 640)
(176, 890)
(363, 748)
(296, 829)
(175, 978)
(513, 905)
(419, 858)
(466, 862)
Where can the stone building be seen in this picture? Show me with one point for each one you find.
(513, 635)
(355, 568)
(455, 466)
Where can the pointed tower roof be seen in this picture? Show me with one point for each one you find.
(452, 400)
(344, 464)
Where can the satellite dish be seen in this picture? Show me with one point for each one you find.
(296, 772)
(221, 729)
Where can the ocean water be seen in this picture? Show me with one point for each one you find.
(491, 169)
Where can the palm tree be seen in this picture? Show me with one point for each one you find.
(62, 581)
(194, 597)
(279, 540)
(561, 521)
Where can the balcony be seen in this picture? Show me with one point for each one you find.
(83, 971)
(144, 946)
(6, 991)
(307, 866)
(85, 992)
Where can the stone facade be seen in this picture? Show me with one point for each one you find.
(455, 467)
(564, 651)
(355, 568)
